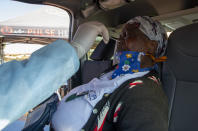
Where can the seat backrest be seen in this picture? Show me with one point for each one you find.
(103, 51)
(93, 69)
(180, 78)
(100, 61)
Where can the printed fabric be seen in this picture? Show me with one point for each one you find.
(129, 63)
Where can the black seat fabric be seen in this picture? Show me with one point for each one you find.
(103, 51)
(180, 78)
(93, 69)
(101, 61)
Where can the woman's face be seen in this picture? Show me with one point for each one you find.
(132, 39)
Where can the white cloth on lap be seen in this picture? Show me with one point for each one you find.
(73, 115)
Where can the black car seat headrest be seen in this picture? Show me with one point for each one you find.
(180, 78)
(183, 53)
(104, 51)
(101, 61)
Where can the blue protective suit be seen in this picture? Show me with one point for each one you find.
(25, 84)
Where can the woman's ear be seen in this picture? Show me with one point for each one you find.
(152, 47)
(146, 62)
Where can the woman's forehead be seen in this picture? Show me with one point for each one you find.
(132, 30)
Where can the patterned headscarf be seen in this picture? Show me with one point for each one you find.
(154, 31)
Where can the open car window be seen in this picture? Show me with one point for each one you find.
(25, 28)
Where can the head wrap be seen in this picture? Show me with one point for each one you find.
(154, 31)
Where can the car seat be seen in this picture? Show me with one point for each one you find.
(100, 60)
(180, 78)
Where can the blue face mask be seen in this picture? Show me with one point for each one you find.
(129, 63)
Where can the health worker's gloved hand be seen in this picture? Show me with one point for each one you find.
(86, 35)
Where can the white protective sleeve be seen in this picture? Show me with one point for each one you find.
(25, 84)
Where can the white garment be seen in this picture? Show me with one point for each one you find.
(25, 84)
(73, 115)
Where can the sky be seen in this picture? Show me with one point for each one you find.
(11, 9)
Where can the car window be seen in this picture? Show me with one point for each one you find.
(25, 28)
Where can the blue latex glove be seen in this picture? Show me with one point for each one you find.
(25, 84)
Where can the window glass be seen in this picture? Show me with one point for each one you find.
(25, 28)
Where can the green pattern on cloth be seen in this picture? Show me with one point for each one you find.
(76, 95)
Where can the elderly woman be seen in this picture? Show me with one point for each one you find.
(129, 98)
